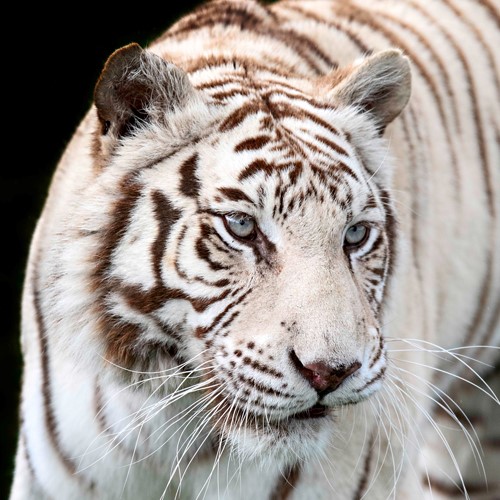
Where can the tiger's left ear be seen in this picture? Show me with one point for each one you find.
(137, 87)
(379, 85)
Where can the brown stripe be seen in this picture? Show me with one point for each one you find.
(362, 47)
(486, 286)
(235, 194)
(285, 110)
(150, 300)
(391, 226)
(286, 483)
(182, 274)
(380, 347)
(166, 216)
(259, 386)
(492, 442)
(203, 331)
(489, 274)
(448, 409)
(252, 144)
(303, 46)
(234, 78)
(471, 91)
(111, 236)
(330, 144)
(27, 456)
(208, 15)
(256, 167)
(190, 184)
(374, 379)
(244, 17)
(455, 490)
(279, 92)
(35, 484)
(105, 428)
(413, 169)
(268, 370)
(487, 49)
(203, 250)
(487, 337)
(492, 11)
(434, 55)
(237, 63)
(46, 391)
(366, 17)
(492, 325)
(363, 480)
(240, 114)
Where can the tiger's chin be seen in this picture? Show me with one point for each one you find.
(301, 436)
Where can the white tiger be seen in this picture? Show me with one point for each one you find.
(268, 263)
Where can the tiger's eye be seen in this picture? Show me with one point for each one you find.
(356, 235)
(240, 225)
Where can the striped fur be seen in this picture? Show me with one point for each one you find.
(168, 357)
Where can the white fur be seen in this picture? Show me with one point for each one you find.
(161, 417)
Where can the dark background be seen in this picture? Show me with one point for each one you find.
(49, 70)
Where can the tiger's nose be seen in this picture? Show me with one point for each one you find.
(323, 377)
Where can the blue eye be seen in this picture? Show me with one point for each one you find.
(356, 235)
(240, 225)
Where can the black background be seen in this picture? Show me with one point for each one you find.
(49, 69)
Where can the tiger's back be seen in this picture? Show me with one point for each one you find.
(169, 352)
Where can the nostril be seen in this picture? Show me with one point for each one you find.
(323, 377)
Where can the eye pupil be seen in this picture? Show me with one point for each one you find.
(240, 225)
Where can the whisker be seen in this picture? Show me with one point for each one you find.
(445, 442)
(491, 394)
(474, 442)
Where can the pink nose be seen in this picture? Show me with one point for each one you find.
(323, 377)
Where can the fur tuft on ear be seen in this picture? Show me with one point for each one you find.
(135, 87)
(379, 85)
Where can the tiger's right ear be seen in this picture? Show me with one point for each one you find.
(379, 85)
(137, 87)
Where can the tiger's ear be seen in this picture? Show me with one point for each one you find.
(379, 85)
(137, 87)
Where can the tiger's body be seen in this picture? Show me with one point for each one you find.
(234, 240)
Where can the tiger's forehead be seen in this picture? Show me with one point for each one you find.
(274, 154)
(260, 109)
(271, 131)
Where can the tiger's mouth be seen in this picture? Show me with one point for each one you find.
(316, 411)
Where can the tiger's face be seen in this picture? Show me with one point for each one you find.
(255, 252)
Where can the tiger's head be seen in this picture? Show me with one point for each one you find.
(251, 235)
